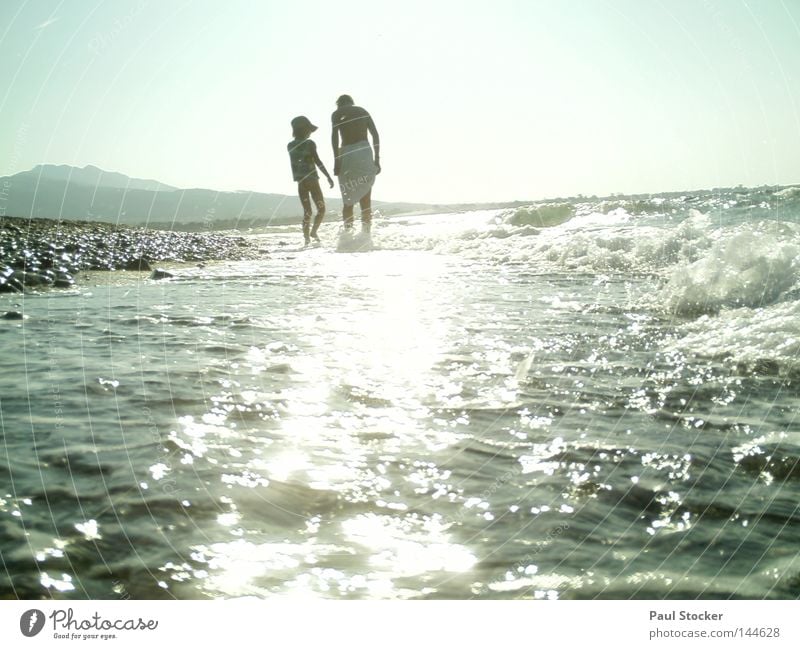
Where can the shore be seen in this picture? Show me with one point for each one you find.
(39, 253)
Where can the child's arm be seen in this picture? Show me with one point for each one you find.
(322, 168)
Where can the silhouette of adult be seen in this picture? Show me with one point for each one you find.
(354, 163)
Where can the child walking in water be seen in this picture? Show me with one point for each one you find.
(304, 158)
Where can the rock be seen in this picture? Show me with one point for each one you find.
(11, 284)
(766, 367)
(12, 315)
(138, 263)
(46, 252)
(160, 273)
(64, 282)
(29, 278)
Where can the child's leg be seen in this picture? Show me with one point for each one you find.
(319, 201)
(303, 191)
(366, 212)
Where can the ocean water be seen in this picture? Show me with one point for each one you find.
(587, 399)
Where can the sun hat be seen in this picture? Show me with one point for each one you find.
(302, 123)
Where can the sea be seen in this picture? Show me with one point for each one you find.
(578, 399)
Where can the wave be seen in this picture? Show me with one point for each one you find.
(730, 278)
(753, 265)
(541, 216)
(705, 264)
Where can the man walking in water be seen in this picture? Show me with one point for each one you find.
(354, 163)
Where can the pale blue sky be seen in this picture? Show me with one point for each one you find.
(474, 100)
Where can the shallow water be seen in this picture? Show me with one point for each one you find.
(602, 405)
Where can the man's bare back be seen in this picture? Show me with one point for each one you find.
(353, 123)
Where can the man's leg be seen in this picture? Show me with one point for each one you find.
(347, 215)
(366, 212)
(319, 201)
(302, 190)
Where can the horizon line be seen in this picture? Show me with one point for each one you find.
(424, 203)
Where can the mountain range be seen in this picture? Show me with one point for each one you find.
(92, 194)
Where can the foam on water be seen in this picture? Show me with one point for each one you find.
(587, 242)
(542, 216)
(750, 265)
(745, 335)
(350, 242)
(706, 264)
(733, 272)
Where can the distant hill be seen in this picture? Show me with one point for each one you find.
(92, 176)
(92, 194)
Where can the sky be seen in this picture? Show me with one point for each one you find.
(474, 101)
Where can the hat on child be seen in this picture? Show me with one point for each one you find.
(302, 123)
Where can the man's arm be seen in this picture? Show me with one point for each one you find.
(335, 144)
(376, 141)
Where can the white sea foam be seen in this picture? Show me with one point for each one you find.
(349, 242)
(706, 266)
(745, 335)
(731, 278)
(738, 281)
(588, 242)
(541, 216)
(750, 265)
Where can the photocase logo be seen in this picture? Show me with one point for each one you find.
(31, 622)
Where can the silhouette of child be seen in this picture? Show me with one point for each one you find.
(304, 158)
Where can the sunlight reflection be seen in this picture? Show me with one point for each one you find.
(409, 545)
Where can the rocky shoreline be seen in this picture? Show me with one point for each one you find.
(38, 253)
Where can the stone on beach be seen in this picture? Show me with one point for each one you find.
(45, 253)
(160, 273)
